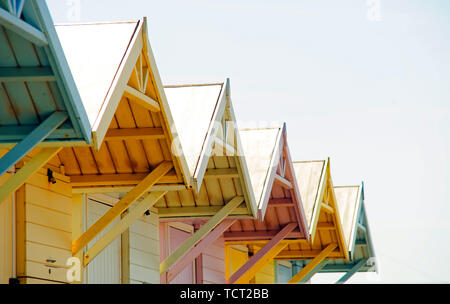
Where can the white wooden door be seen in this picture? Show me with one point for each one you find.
(105, 268)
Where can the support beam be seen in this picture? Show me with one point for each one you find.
(134, 133)
(262, 257)
(142, 99)
(124, 224)
(311, 265)
(20, 27)
(34, 138)
(222, 173)
(200, 234)
(283, 182)
(280, 202)
(352, 271)
(192, 254)
(258, 235)
(326, 226)
(177, 212)
(26, 74)
(314, 271)
(24, 173)
(304, 254)
(327, 208)
(121, 206)
(119, 189)
(223, 147)
(116, 179)
(361, 227)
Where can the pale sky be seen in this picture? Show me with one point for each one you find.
(372, 95)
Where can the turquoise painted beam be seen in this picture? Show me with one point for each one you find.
(26, 74)
(30, 142)
(14, 133)
(314, 271)
(352, 271)
(20, 27)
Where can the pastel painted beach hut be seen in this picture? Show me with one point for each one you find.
(40, 112)
(131, 163)
(281, 226)
(39, 104)
(322, 211)
(356, 232)
(192, 251)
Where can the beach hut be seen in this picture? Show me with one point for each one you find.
(40, 112)
(350, 200)
(193, 220)
(324, 221)
(281, 226)
(131, 163)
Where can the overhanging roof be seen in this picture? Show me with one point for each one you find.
(35, 79)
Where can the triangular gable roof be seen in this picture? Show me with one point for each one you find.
(35, 78)
(319, 203)
(351, 205)
(269, 162)
(356, 231)
(202, 113)
(193, 108)
(120, 86)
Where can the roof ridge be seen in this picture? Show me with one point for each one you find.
(193, 85)
(97, 23)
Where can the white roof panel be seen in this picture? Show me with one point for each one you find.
(94, 53)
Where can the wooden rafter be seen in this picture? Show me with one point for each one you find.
(38, 135)
(30, 167)
(190, 256)
(314, 263)
(262, 257)
(137, 212)
(141, 99)
(200, 234)
(134, 133)
(121, 206)
(283, 182)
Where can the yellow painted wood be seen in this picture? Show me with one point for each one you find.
(135, 133)
(222, 173)
(149, 200)
(327, 208)
(77, 225)
(260, 264)
(311, 265)
(121, 206)
(200, 234)
(24, 173)
(125, 253)
(141, 99)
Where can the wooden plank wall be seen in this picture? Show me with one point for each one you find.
(213, 260)
(6, 237)
(43, 229)
(144, 250)
(266, 275)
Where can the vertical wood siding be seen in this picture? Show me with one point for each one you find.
(213, 259)
(144, 250)
(176, 238)
(105, 268)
